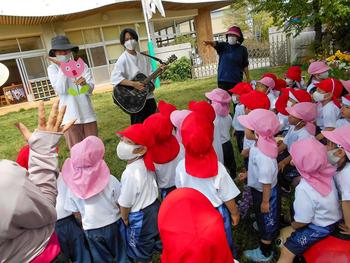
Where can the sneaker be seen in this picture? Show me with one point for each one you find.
(255, 226)
(256, 255)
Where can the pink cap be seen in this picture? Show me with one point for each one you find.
(177, 117)
(317, 67)
(339, 136)
(218, 95)
(221, 109)
(306, 111)
(268, 82)
(85, 172)
(346, 84)
(345, 100)
(234, 30)
(265, 123)
(310, 158)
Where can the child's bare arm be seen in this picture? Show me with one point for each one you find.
(245, 153)
(232, 207)
(297, 225)
(265, 204)
(281, 147)
(282, 164)
(124, 211)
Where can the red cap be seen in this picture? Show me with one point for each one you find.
(300, 95)
(165, 108)
(294, 73)
(281, 102)
(331, 85)
(271, 75)
(197, 134)
(191, 229)
(203, 108)
(166, 146)
(23, 156)
(241, 88)
(280, 84)
(255, 100)
(141, 135)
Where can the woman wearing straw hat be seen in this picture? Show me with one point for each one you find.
(79, 106)
(233, 59)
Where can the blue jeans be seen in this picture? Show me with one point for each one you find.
(303, 238)
(228, 230)
(142, 235)
(72, 240)
(268, 223)
(107, 244)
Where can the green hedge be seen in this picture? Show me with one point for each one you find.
(180, 70)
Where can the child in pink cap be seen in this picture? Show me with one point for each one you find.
(177, 117)
(220, 100)
(94, 192)
(318, 71)
(316, 203)
(266, 85)
(344, 112)
(340, 157)
(261, 126)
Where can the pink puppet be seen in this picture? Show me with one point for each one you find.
(74, 69)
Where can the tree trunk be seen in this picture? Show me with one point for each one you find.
(317, 25)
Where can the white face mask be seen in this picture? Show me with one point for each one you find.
(289, 104)
(318, 97)
(332, 159)
(277, 93)
(64, 58)
(289, 82)
(324, 75)
(235, 99)
(131, 44)
(125, 151)
(232, 40)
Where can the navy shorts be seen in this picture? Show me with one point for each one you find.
(165, 191)
(303, 238)
(268, 223)
(142, 235)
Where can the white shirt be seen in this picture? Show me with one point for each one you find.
(272, 99)
(312, 85)
(99, 210)
(262, 169)
(311, 207)
(224, 126)
(218, 189)
(327, 115)
(293, 136)
(342, 181)
(128, 66)
(239, 110)
(247, 144)
(165, 173)
(283, 119)
(217, 141)
(78, 107)
(61, 199)
(139, 187)
(341, 122)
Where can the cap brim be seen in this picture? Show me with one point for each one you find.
(346, 84)
(204, 166)
(244, 121)
(63, 47)
(330, 135)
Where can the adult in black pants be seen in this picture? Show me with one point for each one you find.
(128, 65)
(233, 59)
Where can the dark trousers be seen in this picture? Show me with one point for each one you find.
(226, 85)
(229, 159)
(148, 110)
(107, 244)
(72, 240)
(240, 138)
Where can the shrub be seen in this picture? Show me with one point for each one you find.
(180, 70)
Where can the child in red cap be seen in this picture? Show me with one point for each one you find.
(238, 130)
(202, 171)
(220, 101)
(262, 179)
(192, 230)
(293, 78)
(166, 151)
(344, 112)
(138, 199)
(327, 96)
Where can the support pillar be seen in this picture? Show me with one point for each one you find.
(204, 32)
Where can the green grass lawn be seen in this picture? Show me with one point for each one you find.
(111, 119)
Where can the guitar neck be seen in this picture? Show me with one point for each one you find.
(154, 75)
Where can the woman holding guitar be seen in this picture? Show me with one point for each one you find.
(128, 65)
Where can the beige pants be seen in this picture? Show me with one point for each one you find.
(79, 132)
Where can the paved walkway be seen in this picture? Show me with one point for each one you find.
(33, 104)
